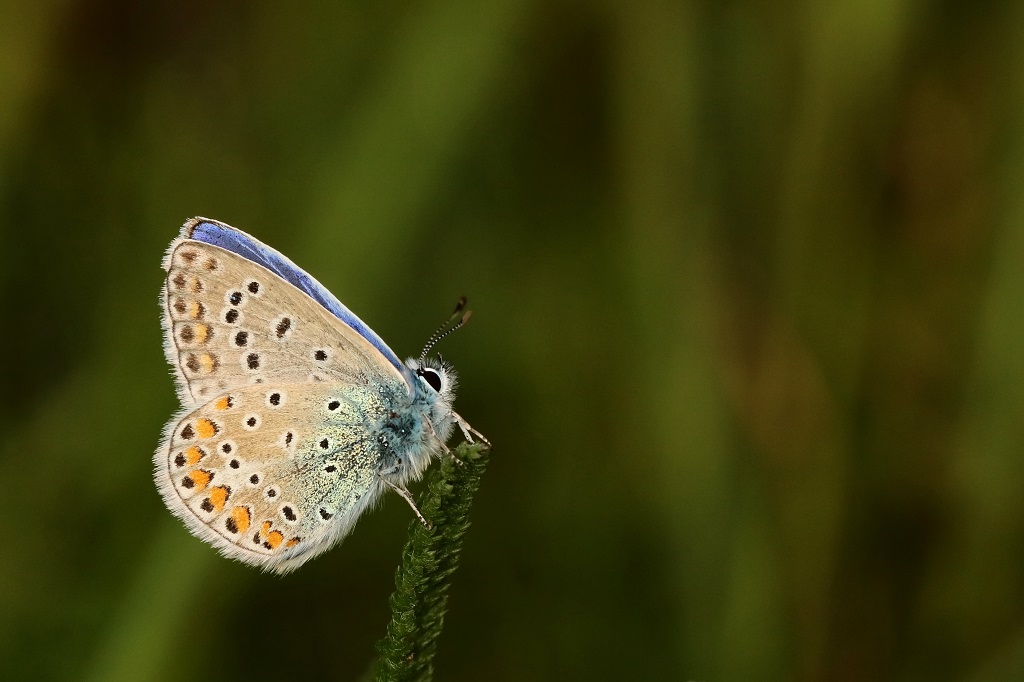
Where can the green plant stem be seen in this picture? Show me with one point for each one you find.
(430, 557)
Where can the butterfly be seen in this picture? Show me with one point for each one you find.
(295, 415)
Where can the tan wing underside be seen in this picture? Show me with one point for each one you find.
(272, 475)
(229, 322)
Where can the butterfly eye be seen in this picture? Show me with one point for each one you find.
(431, 377)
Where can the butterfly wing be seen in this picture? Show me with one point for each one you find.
(250, 248)
(273, 475)
(275, 453)
(229, 321)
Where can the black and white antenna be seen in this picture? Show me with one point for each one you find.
(456, 320)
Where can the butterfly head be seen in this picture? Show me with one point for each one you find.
(435, 378)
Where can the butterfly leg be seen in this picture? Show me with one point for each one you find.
(444, 446)
(468, 431)
(407, 496)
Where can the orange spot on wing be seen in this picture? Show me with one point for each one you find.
(223, 403)
(241, 518)
(292, 542)
(266, 528)
(201, 478)
(201, 332)
(207, 361)
(218, 496)
(193, 454)
(194, 309)
(205, 428)
(274, 539)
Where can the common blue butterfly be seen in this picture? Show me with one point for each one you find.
(295, 415)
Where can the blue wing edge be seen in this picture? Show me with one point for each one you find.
(248, 247)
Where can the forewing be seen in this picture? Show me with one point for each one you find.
(273, 476)
(230, 322)
(235, 240)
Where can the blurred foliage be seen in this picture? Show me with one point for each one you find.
(748, 337)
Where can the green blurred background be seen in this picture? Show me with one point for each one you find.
(748, 282)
